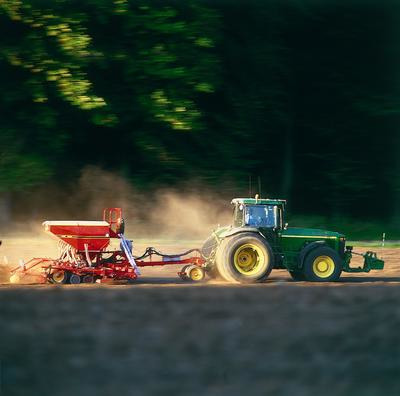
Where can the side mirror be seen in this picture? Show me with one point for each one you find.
(285, 226)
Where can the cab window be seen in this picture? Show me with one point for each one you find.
(261, 216)
(238, 215)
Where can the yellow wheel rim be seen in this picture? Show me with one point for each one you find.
(58, 276)
(323, 266)
(248, 259)
(196, 274)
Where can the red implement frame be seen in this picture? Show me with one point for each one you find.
(99, 264)
(113, 216)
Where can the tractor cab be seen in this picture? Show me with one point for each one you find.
(260, 213)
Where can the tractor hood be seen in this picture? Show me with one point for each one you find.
(311, 233)
(292, 232)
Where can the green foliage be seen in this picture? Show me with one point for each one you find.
(25, 168)
(302, 94)
(125, 64)
(53, 48)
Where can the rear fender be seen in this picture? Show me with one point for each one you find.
(238, 230)
(307, 249)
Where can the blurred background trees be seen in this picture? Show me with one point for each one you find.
(301, 94)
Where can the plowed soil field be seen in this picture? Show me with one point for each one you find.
(162, 336)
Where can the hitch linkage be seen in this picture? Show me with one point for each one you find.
(371, 261)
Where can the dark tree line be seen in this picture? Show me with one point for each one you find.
(302, 94)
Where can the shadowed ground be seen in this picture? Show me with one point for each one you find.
(162, 336)
(278, 338)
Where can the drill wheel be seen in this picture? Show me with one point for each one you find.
(195, 273)
(88, 279)
(74, 279)
(182, 274)
(59, 277)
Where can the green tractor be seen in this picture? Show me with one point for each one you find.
(259, 240)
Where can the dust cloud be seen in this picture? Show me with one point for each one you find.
(176, 214)
(182, 216)
(189, 212)
(4, 273)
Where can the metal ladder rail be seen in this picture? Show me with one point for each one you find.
(128, 254)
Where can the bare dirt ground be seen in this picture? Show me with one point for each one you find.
(162, 336)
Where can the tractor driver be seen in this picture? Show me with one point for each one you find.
(260, 216)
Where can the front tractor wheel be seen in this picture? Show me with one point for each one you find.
(244, 258)
(322, 264)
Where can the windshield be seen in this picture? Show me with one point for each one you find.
(261, 215)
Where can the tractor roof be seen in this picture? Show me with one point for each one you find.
(259, 201)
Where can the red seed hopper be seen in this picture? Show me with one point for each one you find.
(93, 251)
(81, 235)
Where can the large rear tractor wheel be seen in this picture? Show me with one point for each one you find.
(244, 258)
(322, 264)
